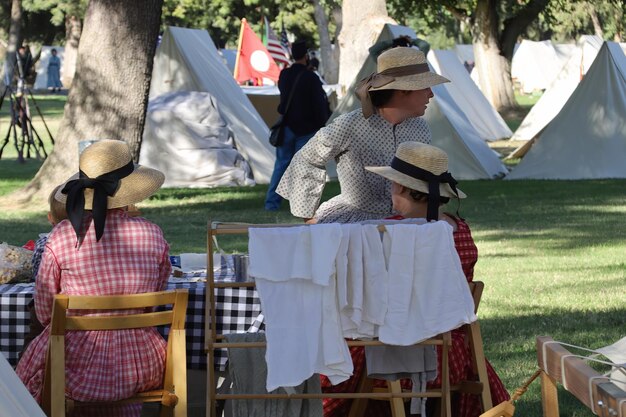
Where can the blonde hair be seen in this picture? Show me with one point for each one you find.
(57, 209)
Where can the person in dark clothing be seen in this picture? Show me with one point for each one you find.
(307, 113)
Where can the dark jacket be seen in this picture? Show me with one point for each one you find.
(309, 109)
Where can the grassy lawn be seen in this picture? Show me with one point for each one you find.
(551, 255)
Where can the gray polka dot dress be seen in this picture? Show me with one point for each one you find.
(353, 142)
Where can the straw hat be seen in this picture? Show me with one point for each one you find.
(402, 57)
(424, 157)
(108, 155)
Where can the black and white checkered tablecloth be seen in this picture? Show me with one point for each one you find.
(238, 311)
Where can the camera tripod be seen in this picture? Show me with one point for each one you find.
(20, 118)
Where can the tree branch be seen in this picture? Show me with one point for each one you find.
(516, 24)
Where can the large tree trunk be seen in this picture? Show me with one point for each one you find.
(494, 70)
(109, 95)
(73, 30)
(329, 64)
(362, 22)
(15, 31)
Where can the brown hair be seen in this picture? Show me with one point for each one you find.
(57, 209)
(381, 97)
(423, 197)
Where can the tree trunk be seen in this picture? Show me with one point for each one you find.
(362, 22)
(494, 70)
(15, 31)
(595, 20)
(109, 95)
(329, 65)
(73, 29)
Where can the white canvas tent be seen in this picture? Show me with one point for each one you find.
(483, 117)
(41, 81)
(556, 95)
(535, 65)
(230, 58)
(15, 400)
(587, 139)
(187, 60)
(470, 157)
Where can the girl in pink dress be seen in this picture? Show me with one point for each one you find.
(100, 250)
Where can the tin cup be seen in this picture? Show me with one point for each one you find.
(240, 265)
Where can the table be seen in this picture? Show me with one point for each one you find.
(238, 311)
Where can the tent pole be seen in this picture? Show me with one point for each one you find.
(236, 72)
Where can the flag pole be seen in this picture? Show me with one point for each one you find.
(236, 72)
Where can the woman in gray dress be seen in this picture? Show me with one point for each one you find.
(392, 102)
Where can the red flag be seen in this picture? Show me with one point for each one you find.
(253, 60)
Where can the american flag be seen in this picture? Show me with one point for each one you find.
(283, 37)
(275, 46)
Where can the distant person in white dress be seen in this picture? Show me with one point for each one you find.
(54, 72)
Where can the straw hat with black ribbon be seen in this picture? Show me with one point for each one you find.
(401, 68)
(107, 179)
(422, 168)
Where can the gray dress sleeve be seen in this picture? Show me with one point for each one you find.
(304, 180)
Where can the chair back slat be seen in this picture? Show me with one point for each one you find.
(121, 302)
(476, 288)
(130, 321)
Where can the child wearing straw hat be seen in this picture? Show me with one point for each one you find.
(420, 187)
(392, 102)
(101, 250)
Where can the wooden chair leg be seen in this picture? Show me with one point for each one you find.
(478, 356)
(446, 402)
(549, 396)
(397, 404)
(360, 404)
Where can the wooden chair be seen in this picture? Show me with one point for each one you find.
(173, 395)
(480, 387)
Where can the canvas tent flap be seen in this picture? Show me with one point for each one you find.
(41, 81)
(556, 95)
(469, 157)
(480, 113)
(587, 139)
(15, 400)
(186, 138)
(187, 60)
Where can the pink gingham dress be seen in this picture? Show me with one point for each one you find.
(132, 257)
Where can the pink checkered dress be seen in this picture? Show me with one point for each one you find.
(132, 257)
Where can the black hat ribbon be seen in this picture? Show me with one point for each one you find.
(104, 186)
(432, 212)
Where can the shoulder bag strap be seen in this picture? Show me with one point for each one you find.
(293, 90)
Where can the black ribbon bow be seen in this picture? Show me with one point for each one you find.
(104, 186)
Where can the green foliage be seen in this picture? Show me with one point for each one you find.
(222, 18)
(570, 19)
(44, 20)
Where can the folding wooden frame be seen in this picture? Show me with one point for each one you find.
(394, 394)
(593, 389)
